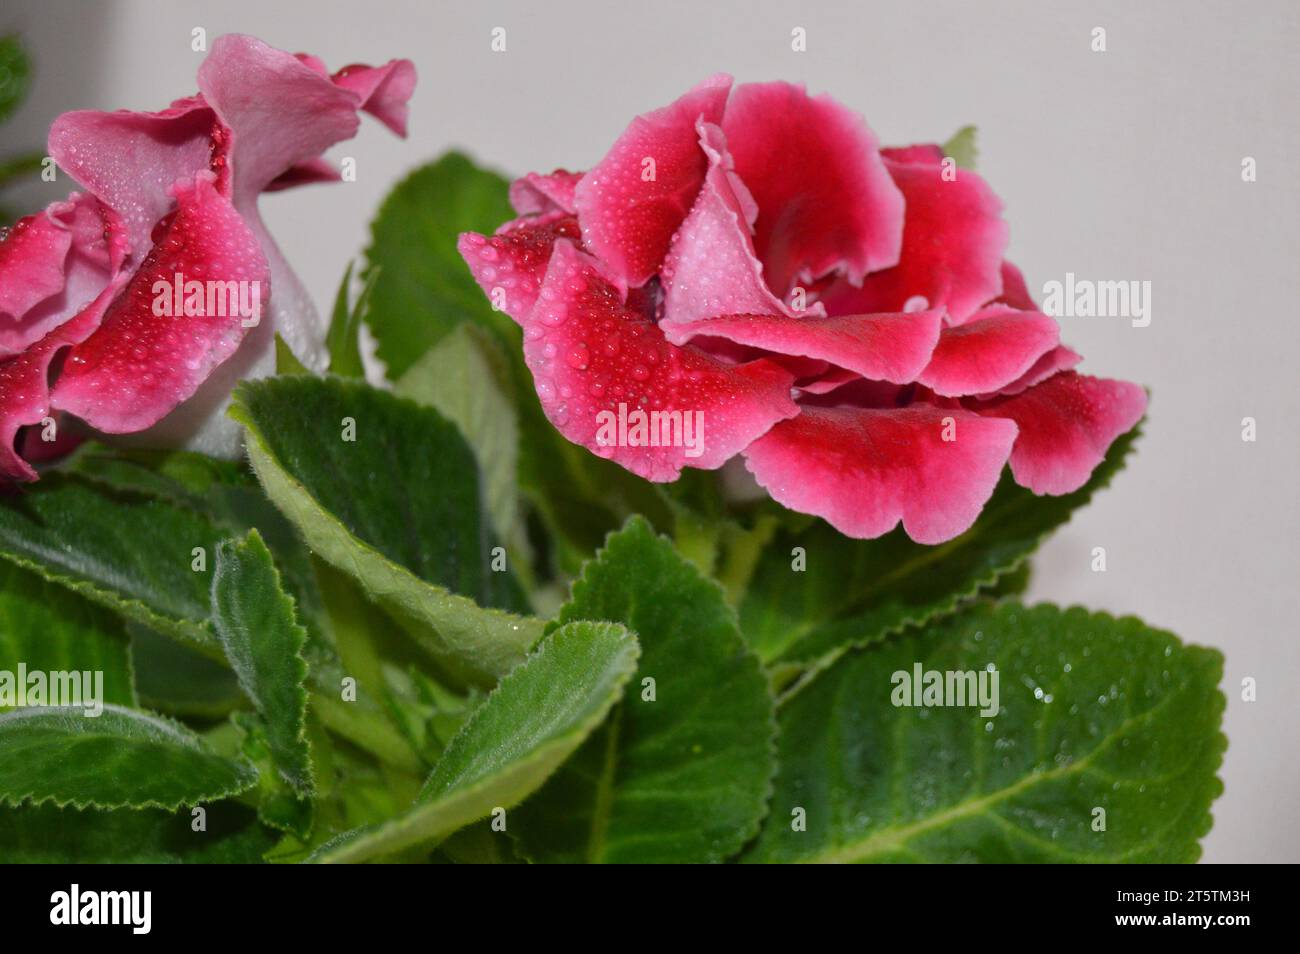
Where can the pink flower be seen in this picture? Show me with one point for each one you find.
(838, 314)
(101, 289)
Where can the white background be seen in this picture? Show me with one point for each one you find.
(1122, 165)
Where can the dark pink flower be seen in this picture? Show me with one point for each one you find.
(170, 200)
(838, 314)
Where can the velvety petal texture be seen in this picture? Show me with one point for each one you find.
(826, 202)
(953, 240)
(632, 201)
(139, 364)
(1066, 423)
(865, 470)
(991, 350)
(840, 315)
(595, 362)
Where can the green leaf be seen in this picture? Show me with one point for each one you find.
(680, 776)
(131, 553)
(255, 621)
(15, 71)
(854, 592)
(1096, 713)
(47, 630)
(118, 759)
(399, 508)
(535, 718)
(425, 289)
(961, 147)
(466, 379)
(343, 338)
(171, 678)
(286, 362)
(46, 834)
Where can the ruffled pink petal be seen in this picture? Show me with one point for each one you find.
(591, 357)
(311, 172)
(828, 381)
(711, 267)
(536, 193)
(881, 347)
(277, 111)
(1066, 425)
(921, 152)
(825, 200)
(628, 214)
(139, 364)
(24, 387)
(1014, 290)
(953, 241)
(864, 470)
(992, 349)
(31, 269)
(384, 91)
(510, 265)
(130, 160)
(1060, 358)
(92, 255)
(24, 378)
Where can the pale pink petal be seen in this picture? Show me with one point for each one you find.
(535, 193)
(711, 267)
(32, 255)
(383, 91)
(130, 160)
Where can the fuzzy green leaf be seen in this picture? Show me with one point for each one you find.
(399, 507)
(121, 758)
(425, 290)
(541, 711)
(682, 769)
(465, 378)
(46, 834)
(1097, 714)
(132, 553)
(255, 621)
(48, 630)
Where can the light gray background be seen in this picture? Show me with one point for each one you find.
(1122, 165)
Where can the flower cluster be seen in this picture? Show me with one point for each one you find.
(170, 202)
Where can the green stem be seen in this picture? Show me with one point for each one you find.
(697, 540)
(743, 549)
(373, 733)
